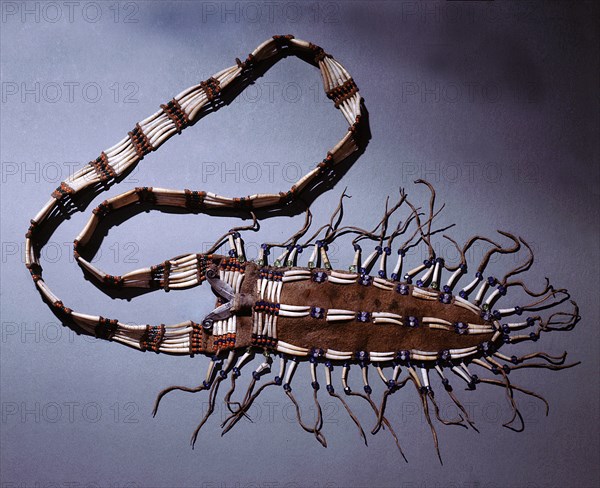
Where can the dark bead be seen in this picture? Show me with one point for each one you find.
(505, 328)
(496, 314)
(235, 371)
(287, 387)
(403, 356)
(363, 316)
(362, 356)
(491, 281)
(506, 339)
(403, 289)
(447, 289)
(463, 268)
(394, 276)
(445, 382)
(232, 253)
(347, 390)
(277, 380)
(364, 280)
(533, 336)
(463, 294)
(427, 263)
(328, 364)
(402, 252)
(412, 321)
(530, 321)
(315, 385)
(256, 375)
(223, 374)
(506, 368)
(206, 384)
(312, 359)
(478, 275)
(264, 247)
(363, 271)
(514, 359)
(330, 388)
(420, 283)
(378, 250)
(381, 273)
(357, 247)
(475, 378)
(368, 389)
(317, 312)
(299, 248)
(391, 384)
(387, 250)
(319, 276)
(408, 279)
(518, 310)
(502, 290)
(319, 243)
(290, 247)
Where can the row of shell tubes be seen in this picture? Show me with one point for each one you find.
(403, 288)
(224, 331)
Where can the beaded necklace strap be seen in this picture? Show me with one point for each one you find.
(147, 136)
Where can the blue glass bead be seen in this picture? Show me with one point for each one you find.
(363, 316)
(368, 389)
(403, 355)
(381, 273)
(387, 250)
(447, 289)
(394, 276)
(412, 321)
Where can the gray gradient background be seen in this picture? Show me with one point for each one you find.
(523, 156)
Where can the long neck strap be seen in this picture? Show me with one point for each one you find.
(115, 163)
